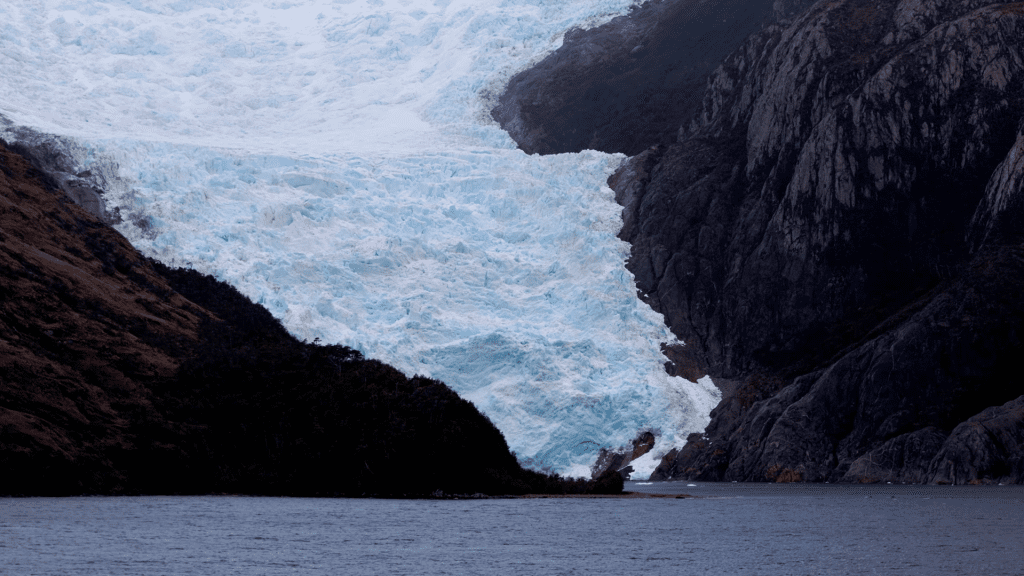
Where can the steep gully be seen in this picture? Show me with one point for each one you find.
(831, 223)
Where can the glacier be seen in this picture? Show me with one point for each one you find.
(336, 162)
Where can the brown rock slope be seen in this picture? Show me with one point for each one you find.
(85, 323)
(121, 376)
(840, 229)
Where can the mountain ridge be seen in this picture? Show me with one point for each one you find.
(837, 229)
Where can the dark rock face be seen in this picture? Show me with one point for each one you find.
(884, 411)
(827, 185)
(49, 154)
(839, 228)
(121, 376)
(630, 83)
(617, 461)
(992, 441)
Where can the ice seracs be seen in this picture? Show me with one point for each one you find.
(334, 161)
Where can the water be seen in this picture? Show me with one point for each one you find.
(730, 529)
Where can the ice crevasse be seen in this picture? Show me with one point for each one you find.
(335, 161)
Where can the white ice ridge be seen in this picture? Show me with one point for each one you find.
(335, 162)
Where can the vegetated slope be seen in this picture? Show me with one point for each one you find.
(837, 235)
(120, 376)
(629, 84)
(86, 324)
(840, 230)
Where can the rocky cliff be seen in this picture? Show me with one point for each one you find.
(121, 376)
(630, 83)
(838, 229)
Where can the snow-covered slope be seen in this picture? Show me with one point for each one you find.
(335, 161)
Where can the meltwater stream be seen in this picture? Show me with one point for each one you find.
(335, 161)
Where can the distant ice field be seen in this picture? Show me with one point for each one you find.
(335, 161)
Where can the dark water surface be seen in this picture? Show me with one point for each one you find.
(732, 529)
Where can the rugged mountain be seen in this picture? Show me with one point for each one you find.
(838, 231)
(119, 375)
(838, 228)
(630, 83)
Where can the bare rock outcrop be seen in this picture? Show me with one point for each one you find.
(628, 84)
(840, 228)
(992, 441)
(618, 461)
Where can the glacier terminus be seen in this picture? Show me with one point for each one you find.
(336, 162)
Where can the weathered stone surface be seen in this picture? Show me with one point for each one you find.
(630, 83)
(903, 459)
(50, 155)
(987, 448)
(839, 228)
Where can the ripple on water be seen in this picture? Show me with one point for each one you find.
(744, 530)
